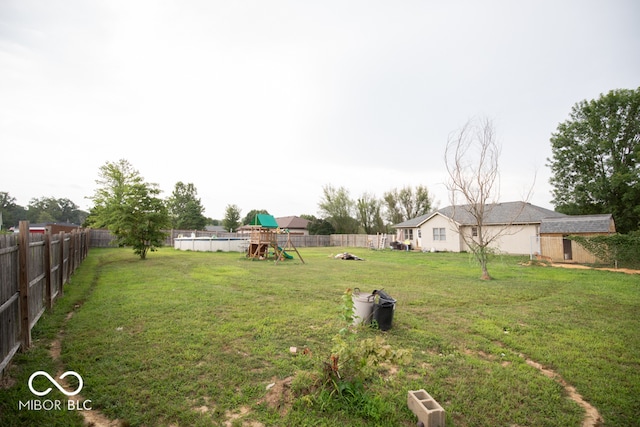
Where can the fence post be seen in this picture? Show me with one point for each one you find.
(86, 244)
(61, 262)
(23, 259)
(72, 253)
(47, 269)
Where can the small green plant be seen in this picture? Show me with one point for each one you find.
(362, 359)
(355, 361)
(347, 311)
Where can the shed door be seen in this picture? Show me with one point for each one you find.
(566, 248)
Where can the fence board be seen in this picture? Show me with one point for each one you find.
(36, 280)
(33, 271)
(9, 299)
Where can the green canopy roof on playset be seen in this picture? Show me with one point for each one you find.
(265, 220)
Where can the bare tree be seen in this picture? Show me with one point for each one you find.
(471, 158)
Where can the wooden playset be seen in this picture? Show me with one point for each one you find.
(263, 240)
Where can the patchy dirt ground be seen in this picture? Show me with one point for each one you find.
(279, 395)
(93, 417)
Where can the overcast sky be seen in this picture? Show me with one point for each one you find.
(262, 103)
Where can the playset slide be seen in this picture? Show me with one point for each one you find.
(286, 255)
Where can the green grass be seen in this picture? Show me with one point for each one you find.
(188, 339)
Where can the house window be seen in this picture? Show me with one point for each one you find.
(419, 233)
(474, 231)
(408, 234)
(439, 234)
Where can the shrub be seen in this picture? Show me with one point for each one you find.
(621, 250)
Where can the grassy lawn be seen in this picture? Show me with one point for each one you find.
(195, 339)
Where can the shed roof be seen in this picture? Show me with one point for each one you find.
(265, 220)
(578, 224)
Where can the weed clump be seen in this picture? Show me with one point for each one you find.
(348, 374)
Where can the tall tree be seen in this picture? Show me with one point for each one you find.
(231, 219)
(337, 208)
(129, 207)
(471, 158)
(368, 214)
(407, 203)
(595, 159)
(185, 208)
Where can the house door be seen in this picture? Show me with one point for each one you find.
(566, 248)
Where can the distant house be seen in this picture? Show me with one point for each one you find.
(215, 228)
(50, 227)
(554, 233)
(518, 222)
(294, 224)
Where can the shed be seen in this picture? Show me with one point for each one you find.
(555, 232)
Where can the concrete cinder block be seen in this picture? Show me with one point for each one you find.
(425, 407)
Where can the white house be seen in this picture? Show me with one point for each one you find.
(517, 222)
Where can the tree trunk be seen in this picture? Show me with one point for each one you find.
(485, 273)
(482, 257)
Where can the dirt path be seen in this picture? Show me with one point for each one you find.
(592, 417)
(91, 417)
(584, 267)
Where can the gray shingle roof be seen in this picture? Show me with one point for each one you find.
(498, 213)
(292, 222)
(576, 224)
(415, 222)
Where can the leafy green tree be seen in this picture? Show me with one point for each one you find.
(252, 214)
(10, 211)
(595, 159)
(407, 203)
(337, 207)
(129, 207)
(368, 214)
(318, 226)
(50, 209)
(185, 208)
(231, 219)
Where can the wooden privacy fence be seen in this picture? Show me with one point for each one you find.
(33, 270)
